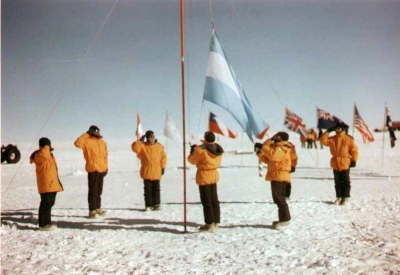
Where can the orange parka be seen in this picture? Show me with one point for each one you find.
(280, 158)
(343, 149)
(152, 157)
(46, 171)
(95, 152)
(207, 158)
(293, 156)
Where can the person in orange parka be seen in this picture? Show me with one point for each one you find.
(95, 153)
(278, 153)
(344, 153)
(48, 182)
(310, 139)
(207, 158)
(154, 160)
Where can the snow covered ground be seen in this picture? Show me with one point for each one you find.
(362, 237)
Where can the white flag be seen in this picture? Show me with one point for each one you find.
(170, 129)
(139, 129)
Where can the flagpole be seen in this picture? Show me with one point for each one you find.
(166, 144)
(383, 134)
(166, 138)
(354, 112)
(318, 133)
(183, 108)
(241, 149)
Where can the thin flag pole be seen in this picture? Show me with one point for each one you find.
(166, 139)
(320, 143)
(354, 112)
(241, 149)
(383, 133)
(182, 15)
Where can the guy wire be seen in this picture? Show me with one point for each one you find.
(62, 93)
(37, 136)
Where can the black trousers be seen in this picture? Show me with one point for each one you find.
(95, 184)
(288, 190)
(342, 183)
(278, 190)
(46, 203)
(210, 202)
(151, 192)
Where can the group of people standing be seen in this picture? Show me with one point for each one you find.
(311, 139)
(277, 152)
(95, 152)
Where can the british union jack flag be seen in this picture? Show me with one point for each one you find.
(294, 123)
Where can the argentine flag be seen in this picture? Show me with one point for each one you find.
(224, 89)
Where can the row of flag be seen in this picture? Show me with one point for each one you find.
(292, 121)
(171, 131)
(224, 89)
(326, 120)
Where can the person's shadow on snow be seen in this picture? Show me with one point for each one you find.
(27, 220)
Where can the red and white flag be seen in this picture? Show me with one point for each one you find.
(139, 129)
(360, 125)
(215, 125)
(263, 133)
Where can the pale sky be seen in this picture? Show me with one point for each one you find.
(69, 64)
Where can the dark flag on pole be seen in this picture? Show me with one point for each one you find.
(326, 120)
(389, 124)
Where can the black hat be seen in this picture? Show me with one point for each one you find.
(284, 136)
(149, 133)
(209, 136)
(342, 125)
(94, 128)
(45, 141)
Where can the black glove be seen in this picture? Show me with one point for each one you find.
(293, 169)
(257, 147)
(331, 129)
(192, 148)
(142, 138)
(162, 171)
(352, 164)
(34, 154)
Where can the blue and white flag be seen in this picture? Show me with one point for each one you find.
(224, 89)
